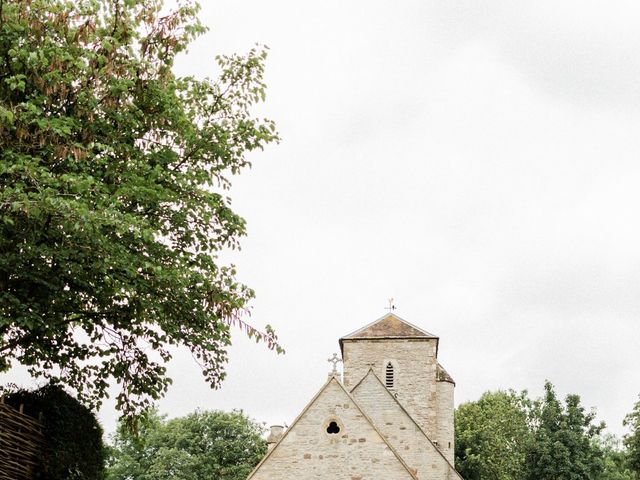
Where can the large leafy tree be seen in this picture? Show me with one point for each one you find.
(200, 446)
(632, 439)
(112, 204)
(564, 445)
(492, 435)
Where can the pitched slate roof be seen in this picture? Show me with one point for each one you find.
(389, 326)
(443, 376)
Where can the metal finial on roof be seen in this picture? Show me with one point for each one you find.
(391, 306)
(335, 360)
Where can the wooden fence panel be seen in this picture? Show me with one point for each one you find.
(21, 443)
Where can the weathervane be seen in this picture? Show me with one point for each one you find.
(335, 360)
(391, 306)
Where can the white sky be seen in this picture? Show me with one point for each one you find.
(476, 160)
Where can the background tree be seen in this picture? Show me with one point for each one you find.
(615, 459)
(564, 444)
(200, 446)
(632, 440)
(491, 436)
(112, 173)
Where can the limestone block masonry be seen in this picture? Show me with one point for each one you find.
(391, 416)
(307, 451)
(445, 434)
(415, 373)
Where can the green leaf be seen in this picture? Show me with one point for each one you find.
(113, 171)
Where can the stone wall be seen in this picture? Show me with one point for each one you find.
(401, 431)
(307, 451)
(415, 373)
(445, 431)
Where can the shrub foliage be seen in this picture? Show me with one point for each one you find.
(73, 448)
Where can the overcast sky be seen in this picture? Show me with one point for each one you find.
(477, 161)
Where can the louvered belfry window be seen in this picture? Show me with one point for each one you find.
(389, 375)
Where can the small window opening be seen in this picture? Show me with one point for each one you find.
(449, 444)
(333, 428)
(389, 376)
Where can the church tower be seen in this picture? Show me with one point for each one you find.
(389, 416)
(405, 358)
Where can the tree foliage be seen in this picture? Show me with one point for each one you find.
(73, 448)
(564, 445)
(492, 435)
(200, 446)
(632, 440)
(112, 205)
(508, 436)
(615, 459)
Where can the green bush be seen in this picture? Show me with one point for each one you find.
(204, 445)
(73, 437)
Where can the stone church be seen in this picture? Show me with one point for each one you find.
(389, 418)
